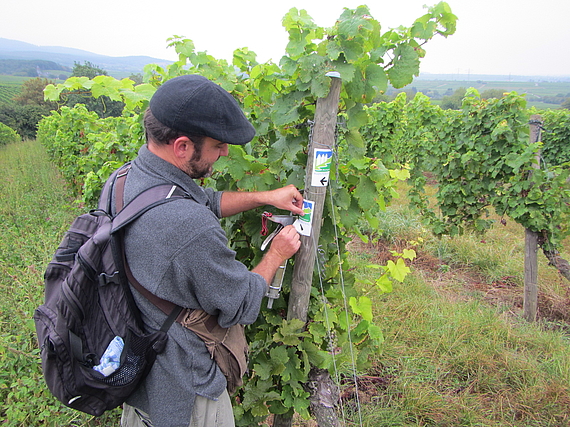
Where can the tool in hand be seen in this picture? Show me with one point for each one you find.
(277, 282)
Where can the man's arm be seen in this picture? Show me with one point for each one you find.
(286, 198)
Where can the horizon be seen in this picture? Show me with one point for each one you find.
(465, 76)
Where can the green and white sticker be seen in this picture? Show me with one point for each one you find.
(322, 161)
(304, 223)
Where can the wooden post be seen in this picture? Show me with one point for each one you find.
(324, 130)
(323, 137)
(530, 300)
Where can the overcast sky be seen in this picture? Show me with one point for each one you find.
(518, 37)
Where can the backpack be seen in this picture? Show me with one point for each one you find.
(89, 312)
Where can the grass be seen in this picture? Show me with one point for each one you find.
(35, 211)
(462, 363)
(457, 352)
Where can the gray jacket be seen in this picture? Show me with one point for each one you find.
(179, 252)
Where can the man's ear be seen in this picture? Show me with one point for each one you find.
(183, 147)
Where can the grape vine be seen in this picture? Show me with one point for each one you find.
(279, 99)
(482, 160)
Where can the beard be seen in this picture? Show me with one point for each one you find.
(196, 168)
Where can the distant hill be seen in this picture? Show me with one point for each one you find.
(124, 66)
(33, 68)
(116, 66)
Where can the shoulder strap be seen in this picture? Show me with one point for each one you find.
(105, 198)
(148, 199)
(175, 312)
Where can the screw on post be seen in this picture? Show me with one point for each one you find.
(277, 282)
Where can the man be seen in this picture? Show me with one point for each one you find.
(179, 252)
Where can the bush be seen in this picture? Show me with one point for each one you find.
(87, 148)
(23, 118)
(8, 135)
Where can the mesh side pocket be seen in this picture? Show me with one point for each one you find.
(134, 364)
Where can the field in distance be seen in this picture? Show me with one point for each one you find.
(537, 92)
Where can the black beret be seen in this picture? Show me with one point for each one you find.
(195, 105)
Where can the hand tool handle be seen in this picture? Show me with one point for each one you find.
(276, 284)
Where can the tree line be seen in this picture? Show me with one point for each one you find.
(23, 112)
(33, 68)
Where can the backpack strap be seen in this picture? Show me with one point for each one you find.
(148, 199)
(105, 198)
(175, 312)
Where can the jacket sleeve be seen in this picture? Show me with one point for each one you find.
(208, 276)
(214, 201)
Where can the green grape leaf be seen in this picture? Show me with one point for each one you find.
(384, 284)
(362, 306)
(346, 70)
(376, 78)
(286, 108)
(375, 333)
(406, 65)
(51, 93)
(423, 28)
(366, 193)
(352, 50)
(106, 86)
(290, 333)
(398, 270)
(357, 118)
(354, 22)
(409, 254)
(333, 49)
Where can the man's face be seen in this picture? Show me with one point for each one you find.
(202, 160)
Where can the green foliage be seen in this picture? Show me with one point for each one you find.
(453, 102)
(98, 102)
(87, 70)
(27, 107)
(399, 131)
(556, 136)
(23, 118)
(8, 135)
(87, 149)
(279, 99)
(35, 210)
(493, 93)
(32, 93)
(480, 158)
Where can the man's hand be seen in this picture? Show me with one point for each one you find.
(286, 243)
(287, 198)
(283, 246)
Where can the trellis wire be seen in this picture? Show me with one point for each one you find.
(324, 299)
